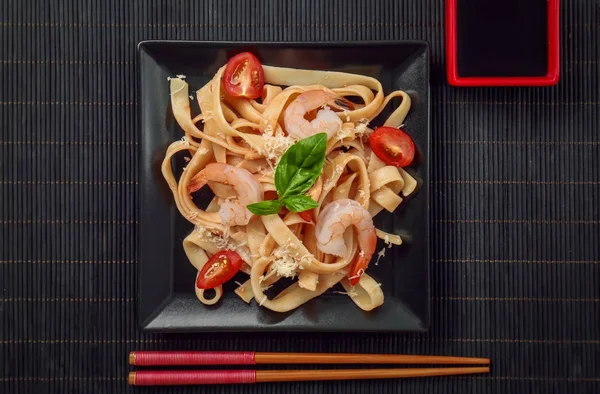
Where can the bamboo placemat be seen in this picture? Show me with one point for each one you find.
(515, 215)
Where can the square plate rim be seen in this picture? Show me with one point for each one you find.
(422, 324)
(140, 45)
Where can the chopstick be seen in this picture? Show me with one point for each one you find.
(155, 358)
(177, 378)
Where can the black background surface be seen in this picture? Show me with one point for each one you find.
(515, 186)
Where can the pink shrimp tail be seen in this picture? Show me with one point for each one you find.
(197, 182)
(360, 264)
(368, 246)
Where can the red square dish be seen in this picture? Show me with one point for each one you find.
(502, 43)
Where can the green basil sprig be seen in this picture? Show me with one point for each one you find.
(298, 169)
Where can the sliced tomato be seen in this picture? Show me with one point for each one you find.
(359, 266)
(307, 216)
(270, 195)
(244, 76)
(393, 146)
(220, 268)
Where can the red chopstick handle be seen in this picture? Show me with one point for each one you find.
(179, 378)
(191, 358)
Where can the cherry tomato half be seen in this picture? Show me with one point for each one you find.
(244, 76)
(393, 146)
(307, 216)
(220, 268)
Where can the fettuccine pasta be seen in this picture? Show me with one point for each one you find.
(234, 146)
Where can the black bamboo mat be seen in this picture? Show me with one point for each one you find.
(515, 215)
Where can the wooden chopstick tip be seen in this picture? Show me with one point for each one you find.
(132, 358)
(131, 378)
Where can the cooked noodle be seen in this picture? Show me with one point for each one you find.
(251, 135)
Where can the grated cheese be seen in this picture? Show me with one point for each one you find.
(187, 159)
(352, 293)
(347, 116)
(286, 264)
(276, 143)
(181, 76)
(221, 243)
(305, 260)
(262, 301)
(271, 273)
(201, 230)
(380, 254)
(220, 240)
(386, 239)
(339, 169)
(202, 151)
(184, 140)
(343, 133)
(358, 274)
(361, 129)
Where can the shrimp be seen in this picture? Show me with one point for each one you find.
(326, 120)
(333, 221)
(248, 189)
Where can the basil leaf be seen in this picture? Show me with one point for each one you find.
(268, 207)
(300, 166)
(299, 203)
(298, 169)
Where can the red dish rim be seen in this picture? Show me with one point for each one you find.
(551, 78)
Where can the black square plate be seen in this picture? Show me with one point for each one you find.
(166, 300)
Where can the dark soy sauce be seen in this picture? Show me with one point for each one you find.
(502, 38)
